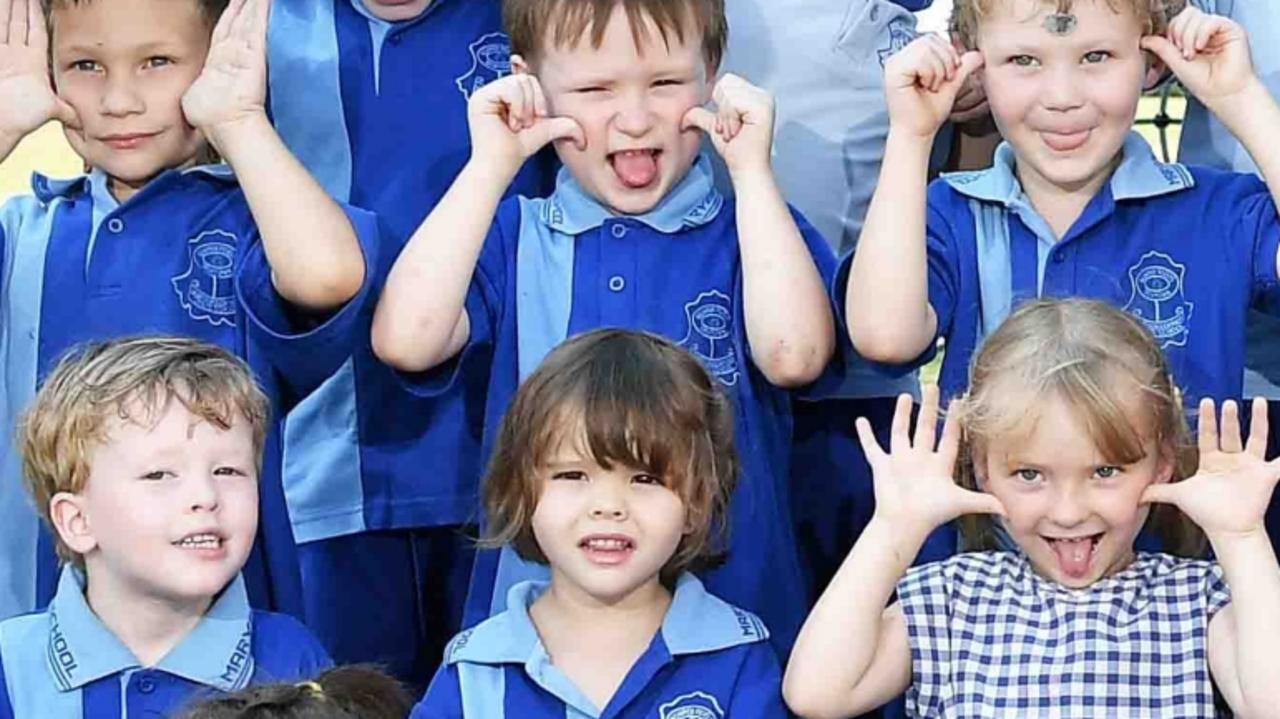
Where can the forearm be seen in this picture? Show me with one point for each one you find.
(8, 141)
(419, 322)
(887, 299)
(1254, 118)
(788, 315)
(315, 257)
(1249, 564)
(838, 642)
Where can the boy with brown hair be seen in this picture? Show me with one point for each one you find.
(143, 457)
(635, 235)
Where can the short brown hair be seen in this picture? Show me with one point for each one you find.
(211, 9)
(563, 23)
(1093, 357)
(1152, 15)
(131, 380)
(640, 401)
(358, 691)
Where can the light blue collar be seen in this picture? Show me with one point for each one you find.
(693, 202)
(697, 622)
(95, 181)
(216, 653)
(1139, 175)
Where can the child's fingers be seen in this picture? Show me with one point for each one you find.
(528, 102)
(699, 118)
(6, 14)
(38, 36)
(927, 420)
(560, 128)
(222, 30)
(261, 18)
(18, 24)
(1258, 429)
(971, 502)
(1161, 493)
(1206, 30)
(946, 54)
(1229, 432)
(539, 97)
(64, 113)
(949, 445)
(867, 438)
(1167, 52)
(1207, 434)
(899, 435)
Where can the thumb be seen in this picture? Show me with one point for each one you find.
(972, 502)
(65, 114)
(970, 62)
(1166, 51)
(700, 118)
(1161, 493)
(560, 128)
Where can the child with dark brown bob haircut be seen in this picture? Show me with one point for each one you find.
(357, 691)
(613, 465)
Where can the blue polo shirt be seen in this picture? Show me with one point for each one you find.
(1187, 250)
(182, 256)
(556, 267)
(709, 660)
(377, 112)
(64, 662)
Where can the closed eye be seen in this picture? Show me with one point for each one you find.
(570, 475)
(230, 472)
(157, 474)
(650, 479)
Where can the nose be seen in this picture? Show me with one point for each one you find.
(607, 503)
(1069, 507)
(634, 117)
(202, 493)
(121, 97)
(1062, 90)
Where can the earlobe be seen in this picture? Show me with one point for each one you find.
(519, 66)
(67, 515)
(1156, 71)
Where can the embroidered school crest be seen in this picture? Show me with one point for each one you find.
(490, 60)
(695, 705)
(710, 335)
(205, 290)
(900, 34)
(1156, 298)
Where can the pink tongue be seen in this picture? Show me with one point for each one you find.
(635, 169)
(1074, 557)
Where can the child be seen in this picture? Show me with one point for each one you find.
(261, 262)
(1070, 430)
(614, 466)
(143, 455)
(635, 235)
(1076, 204)
(347, 692)
(371, 95)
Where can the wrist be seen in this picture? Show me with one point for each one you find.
(905, 535)
(1226, 544)
(491, 170)
(229, 136)
(1239, 106)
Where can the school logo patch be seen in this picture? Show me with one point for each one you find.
(694, 705)
(490, 60)
(206, 289)
(710, 335)
(1156, 298)
(900, 33)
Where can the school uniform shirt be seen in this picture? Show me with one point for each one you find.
(556, 267)
(1186, 250)
(377, 112)
(992, 638)
(709, 660)
(65, 663)
(182, 256)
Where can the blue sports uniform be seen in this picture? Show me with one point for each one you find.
(555, 267)
(709, 660)
(377, 112)
(182, 256)
(63, 662)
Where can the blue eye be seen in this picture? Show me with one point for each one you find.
(1027, 475)
(1096, 56)
(1023, 60)
(1107, 472)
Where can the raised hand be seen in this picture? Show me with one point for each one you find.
(27, 99)
(233, 84)
(914, 482)
(509, 122)
(1208, 53)
(741, 128)
(1230, 493)
(921, 83)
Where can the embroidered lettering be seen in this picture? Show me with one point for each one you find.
(745, 624)
(64, 659)
(694, 705)
(238, 662)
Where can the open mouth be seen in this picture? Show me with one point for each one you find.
(203, 541)
(635, 169)
(607, 550)
(1075, 554)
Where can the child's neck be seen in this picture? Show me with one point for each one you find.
(595, 643)
(1059, 206)
(150, 627)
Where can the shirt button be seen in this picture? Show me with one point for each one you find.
(146, 686)
(619, 231)
(394, 39)
(1059, 257)
(116, 225)
(617, 282)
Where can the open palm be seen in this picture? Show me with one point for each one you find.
(27, 100)
(233, 84)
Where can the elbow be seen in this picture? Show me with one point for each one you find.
(322, 291)
(395, 347)
(808, 701)
(885, 342)
(788, 366)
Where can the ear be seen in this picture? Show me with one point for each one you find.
(519, 66)
(1156, 72)
(1165, 466)
(71, 522)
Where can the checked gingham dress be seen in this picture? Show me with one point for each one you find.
(991, 638)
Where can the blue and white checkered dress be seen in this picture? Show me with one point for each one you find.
(991, 638)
